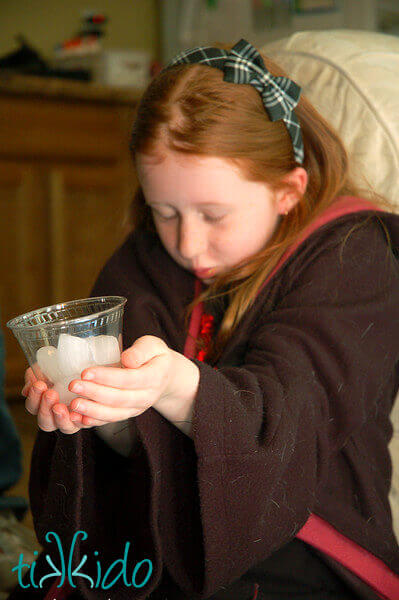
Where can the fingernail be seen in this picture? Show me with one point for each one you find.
(57, 411)
(37, 388)
(89, 375)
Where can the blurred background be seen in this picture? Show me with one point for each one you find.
(71, 76)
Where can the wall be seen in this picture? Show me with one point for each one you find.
(185, 24)
(45, 23)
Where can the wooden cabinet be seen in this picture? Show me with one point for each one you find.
(66, 181)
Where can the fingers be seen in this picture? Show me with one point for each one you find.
(86, 422)
(109, 396)
(29, 375)
(30, 378)
(105, 414)
(118, 377)
(62, 417)
(35, 391)
(83, 420)
(53, 415)
(116, 394)
(121, 387)
(45, 418)
(41, 402)
(70, 422)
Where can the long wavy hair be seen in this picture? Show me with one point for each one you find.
(189, 109)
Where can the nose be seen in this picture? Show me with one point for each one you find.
(191, 239)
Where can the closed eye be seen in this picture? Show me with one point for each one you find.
(207, 218)
(162, 217)
(213, 219)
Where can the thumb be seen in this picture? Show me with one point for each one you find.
(143, 350)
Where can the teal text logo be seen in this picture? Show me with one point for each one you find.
(139, 577)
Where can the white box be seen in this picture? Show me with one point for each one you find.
(121, 68)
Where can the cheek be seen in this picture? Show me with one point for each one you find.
(237, 233)
(245, 238)
(165, 233)
(222, 240)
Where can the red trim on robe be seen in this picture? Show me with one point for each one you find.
(205, 333)
(373, 571)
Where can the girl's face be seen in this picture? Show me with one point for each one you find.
(206, 214)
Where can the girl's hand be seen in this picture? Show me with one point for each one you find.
(114, 394)
(51, 414)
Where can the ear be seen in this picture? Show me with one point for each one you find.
(288, 198)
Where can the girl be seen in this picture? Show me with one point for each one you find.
(242, 449)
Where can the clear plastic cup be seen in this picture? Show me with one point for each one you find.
(62, 340)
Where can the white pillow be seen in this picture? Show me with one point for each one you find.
(352, 78)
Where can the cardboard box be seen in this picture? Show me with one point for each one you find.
(121, 68)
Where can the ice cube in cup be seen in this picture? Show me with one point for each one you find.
(104, 349)
(47, 359)
(73, 354)
(91, 351)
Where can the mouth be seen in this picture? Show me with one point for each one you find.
(203, 273)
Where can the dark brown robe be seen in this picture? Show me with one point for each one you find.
(292, 422)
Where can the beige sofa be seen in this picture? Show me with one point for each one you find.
(352, 78)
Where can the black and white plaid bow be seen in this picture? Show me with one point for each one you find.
(244, 64)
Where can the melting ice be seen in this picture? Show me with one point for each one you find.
(72, 355)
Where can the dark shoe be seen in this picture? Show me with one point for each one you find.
(25, 60)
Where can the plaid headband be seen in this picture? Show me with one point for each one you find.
(244, 64)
